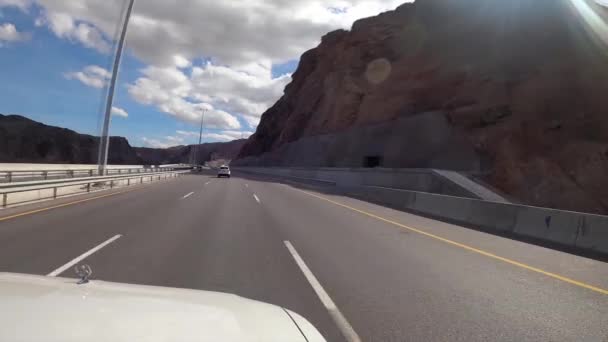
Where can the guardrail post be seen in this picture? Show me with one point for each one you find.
(141, 180)
(10, 176)
(45, 174)
(55, 193)
(71, 172)
(129, 182)
(111, 184)
(88, 187)
(4, 199)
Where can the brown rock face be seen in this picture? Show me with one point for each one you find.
(521, 83)
(26, 141)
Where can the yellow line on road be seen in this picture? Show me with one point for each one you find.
(64, 205)
(469, 248)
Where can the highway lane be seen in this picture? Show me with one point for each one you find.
(391, 283)
(216, 238)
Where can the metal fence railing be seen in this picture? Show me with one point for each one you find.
(31, 175)
(25, 192)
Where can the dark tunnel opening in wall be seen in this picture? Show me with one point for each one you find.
(372, 161)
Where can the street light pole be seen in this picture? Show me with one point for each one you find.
(200, 137)
(104, 139)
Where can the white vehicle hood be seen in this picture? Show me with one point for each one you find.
(38, 308)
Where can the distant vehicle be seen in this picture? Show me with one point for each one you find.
(223, 171)
(103, 311)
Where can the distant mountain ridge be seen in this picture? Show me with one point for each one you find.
(23, 140)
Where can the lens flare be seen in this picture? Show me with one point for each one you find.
(596, 23)
(602, 2)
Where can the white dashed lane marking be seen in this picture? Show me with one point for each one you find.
(82, 256)
(335, 313)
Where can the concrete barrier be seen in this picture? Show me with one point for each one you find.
(414, 180)
(394, 198)
(453, 208)
(493, 216)
(546, 224)
(288, 174)
(571, 229)
(581, 231)
(593, 234)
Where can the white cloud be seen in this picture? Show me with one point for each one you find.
(165, 142)
(20, 4)
(92, 76)
(171, 91)
(156, 143)
(229, 32)
(246, 90)
(9, 33)
(181, 62)
(217, 136)
(64, 26)
(116, 111)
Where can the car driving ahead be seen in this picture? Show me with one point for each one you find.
(223, 171)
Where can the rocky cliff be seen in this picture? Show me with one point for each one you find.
(26, 141)
(513, 91)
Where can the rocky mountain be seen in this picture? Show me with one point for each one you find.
(26, 141)
(182, 154)
(512, 91)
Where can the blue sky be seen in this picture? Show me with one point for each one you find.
(55, 59)
(35, 86)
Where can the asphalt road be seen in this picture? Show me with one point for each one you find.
(392, 275)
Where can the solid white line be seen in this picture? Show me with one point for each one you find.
(82, 256)
(256, 198)
(345, 327)
(188, 195)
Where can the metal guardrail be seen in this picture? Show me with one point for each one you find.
(88, 185)
(22, 175)
(70, 181)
